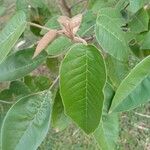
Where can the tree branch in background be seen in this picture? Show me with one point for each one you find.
(38, 26)
(64, 8)
(55, 82)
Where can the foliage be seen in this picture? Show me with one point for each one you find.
(96, 68)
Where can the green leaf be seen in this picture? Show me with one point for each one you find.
(139, 22)
(82, 78)
(110, 35)
(11, 33)
(107, 132)
(59, 46)
(16, 89)
(134, 89)
(53, 66)
(19, 64)
(146, 42)
(135, 5)
(59, 119)
(19, 88)
(27, 122)
(6, 94)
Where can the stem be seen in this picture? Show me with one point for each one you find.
(54, 83)
(5, 102)
(64, 8)
(142, 115)
(38, 26)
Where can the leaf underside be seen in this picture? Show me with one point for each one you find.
(26, 123)
(134, 89)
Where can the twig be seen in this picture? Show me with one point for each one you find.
(61, 32)
(5, 102)
(141, 127)
(64, 8)
(147, 7)
(88, 39)
(54, 83)
(38, 26)
(142, 115)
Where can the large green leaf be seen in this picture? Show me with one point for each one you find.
(110, 35)
(107, 132)
(27, 122)
(16, 90)
(11, 33)
(139, 22)
(82, 78)
(19, 64)
(134, 89)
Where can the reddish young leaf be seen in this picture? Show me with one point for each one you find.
(75, 23)
(64, 21)
(46, 39)
(70, 25)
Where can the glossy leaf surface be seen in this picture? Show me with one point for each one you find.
(82, 78)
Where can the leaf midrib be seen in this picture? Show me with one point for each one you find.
(86, 67)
